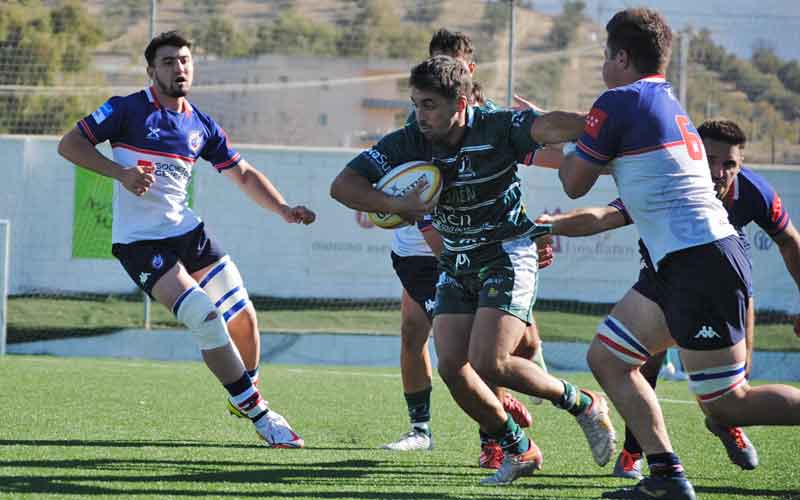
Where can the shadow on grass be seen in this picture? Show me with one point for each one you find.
(164, 443)
(119, 478)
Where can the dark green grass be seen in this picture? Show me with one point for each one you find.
(39, 318)
(83, 428)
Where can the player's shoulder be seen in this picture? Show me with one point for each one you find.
(750, 180)
(625, 95)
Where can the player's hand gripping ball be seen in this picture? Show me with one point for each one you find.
(402, 180)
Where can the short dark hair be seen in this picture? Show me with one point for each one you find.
(451, 43)
(444, 75)
(645, 35)
(725, 131)
(170, 38)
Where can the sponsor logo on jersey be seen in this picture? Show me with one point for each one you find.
(594, 122)
(457, 195)
(153, 133)
(157, 262)
(379, 159)
(102, 113)
(143, 277)
(172, 170)
(706, 332)
(194, 141)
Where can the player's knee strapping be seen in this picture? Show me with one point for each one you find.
(621, 342)
(712, 383)
(195, 310)
(225, 287)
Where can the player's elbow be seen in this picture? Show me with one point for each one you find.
(573, 190)
(338, 189)
(63, 147)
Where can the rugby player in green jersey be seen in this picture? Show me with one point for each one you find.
(488, 279)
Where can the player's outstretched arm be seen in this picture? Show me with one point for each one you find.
(259, 188)
(77, 149)
(353, 190)
(557, 126)
(578, 175)
(788, 242)
(584, 221)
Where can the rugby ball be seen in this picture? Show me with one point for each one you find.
(402, 179)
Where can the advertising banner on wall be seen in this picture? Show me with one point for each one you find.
(91, 227)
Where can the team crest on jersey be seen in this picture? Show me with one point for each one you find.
(194, 141)
(465, 170)
(594, 122)
(157, 262)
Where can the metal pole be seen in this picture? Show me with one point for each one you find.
(5, 256)
(512, 24)
(684, 68)
(148, 306)
(153, 11)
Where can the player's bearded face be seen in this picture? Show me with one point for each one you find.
(173, 71)
(725, 162)
(437, 116)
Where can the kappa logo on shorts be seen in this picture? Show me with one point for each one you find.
(157, 262)
(706, 332)
(462, 260)
(430, 305)
(153, 134)
(143, 277)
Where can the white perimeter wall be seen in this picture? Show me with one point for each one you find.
(335, 257)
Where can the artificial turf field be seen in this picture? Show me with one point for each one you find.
(97, 428)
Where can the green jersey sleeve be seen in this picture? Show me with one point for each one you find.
(398, 147)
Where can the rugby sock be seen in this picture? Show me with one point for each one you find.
(247, 398)
(254, 375)
(631, 443)
(665, 465)
(511, 438)
(538, 358)
(485, 438)
(573, 400)
(419, 409)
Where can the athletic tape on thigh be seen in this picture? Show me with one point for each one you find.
(192, 308)
(712, 383)
(621, 342)
(226, 288)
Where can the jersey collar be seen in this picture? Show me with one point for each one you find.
(185, 108)
(657, 78)
(470, 115)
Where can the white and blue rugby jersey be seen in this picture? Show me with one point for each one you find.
(658, 163)
(408, 241)
(143, 132)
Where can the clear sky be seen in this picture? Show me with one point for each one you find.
(736, 24)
